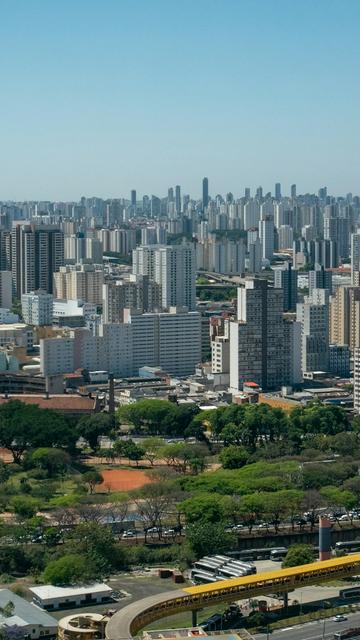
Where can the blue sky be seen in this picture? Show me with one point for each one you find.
(101, 96)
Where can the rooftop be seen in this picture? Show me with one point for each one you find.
(25, 611)
(61, 402)
(48, 591)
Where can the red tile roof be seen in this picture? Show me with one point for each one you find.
(64, 402)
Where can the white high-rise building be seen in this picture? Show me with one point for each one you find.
(174, 268)
(267, 237)
(313, 314)
(37, 308)
(286, 237)
(355, 254)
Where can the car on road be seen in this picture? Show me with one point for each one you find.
(128, 534)
(339, 618)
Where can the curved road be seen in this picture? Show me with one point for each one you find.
(137, 615)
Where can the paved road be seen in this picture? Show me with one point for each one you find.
(313, 630)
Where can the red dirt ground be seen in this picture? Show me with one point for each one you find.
(123, 479)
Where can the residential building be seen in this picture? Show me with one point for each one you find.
(345, 316)
(139, 292)
(355, 253)
(37, 308)
(171, 341)
(173, 267)
(37, 251)
(79, 282)
(313, 314)
(258, 351)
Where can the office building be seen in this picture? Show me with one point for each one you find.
(5, 289)
(205, 192)
(258, 351)
(139, 293)
(133, 200)
(286, 279)
(37, 308)
(79, 282)
(339, 360)
(36, 253)
(277, 191)
(293, 191)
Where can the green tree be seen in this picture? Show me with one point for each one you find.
(91, 479)
(206, 538)
(299, 554)
(70, 569)
(24, 507)
(233, 457)
(8, 609)
(152, 446)
(205, 508)
(95, 543)
(92, 427)
(129, 449)
(53, 461)
(25, 427)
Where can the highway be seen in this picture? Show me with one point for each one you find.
(313, 630)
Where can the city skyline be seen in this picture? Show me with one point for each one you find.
(106, 98)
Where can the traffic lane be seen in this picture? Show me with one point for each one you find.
(313, 630)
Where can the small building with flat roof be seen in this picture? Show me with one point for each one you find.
(31, 620)
(51, 598)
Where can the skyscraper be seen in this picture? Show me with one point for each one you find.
(258, 350)
(293, 191)
(177, 199)
(36, 253)
(133, 199)
(205, 192)
(277, 191)
(286, 279)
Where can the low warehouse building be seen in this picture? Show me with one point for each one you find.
(33, 622)
(50, 598)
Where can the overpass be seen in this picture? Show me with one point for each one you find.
(129, 621)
